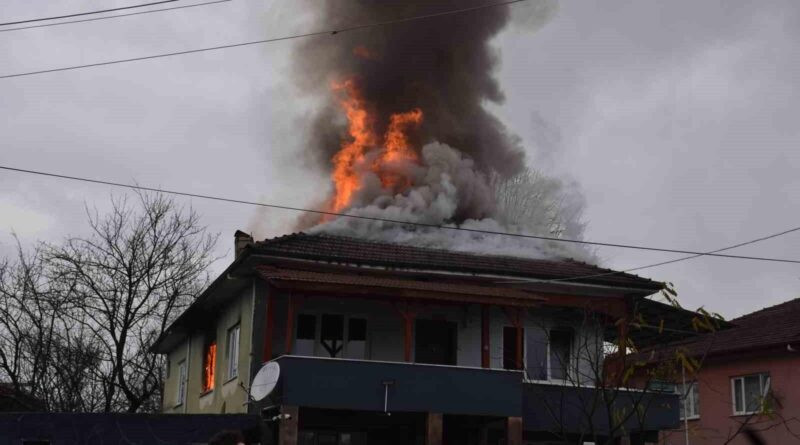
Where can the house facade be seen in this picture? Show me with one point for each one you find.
(749, 380)
(386, 343)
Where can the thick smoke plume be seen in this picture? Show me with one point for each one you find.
(465, 168)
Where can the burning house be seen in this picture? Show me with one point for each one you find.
(385, 328)
(388, 343)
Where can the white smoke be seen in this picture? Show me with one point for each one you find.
(445, 184)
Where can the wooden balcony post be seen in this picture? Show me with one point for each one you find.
(287, 430)
(514, 431)
(485, 335)
(433, 429)
(269, 327)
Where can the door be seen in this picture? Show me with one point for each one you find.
(435, 342)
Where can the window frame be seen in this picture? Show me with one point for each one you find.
(571, 365)
(764, 386)
(686, 392)
(232, 353)
(183, 374)
(317, 348)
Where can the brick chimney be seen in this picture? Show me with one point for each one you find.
(241, 240)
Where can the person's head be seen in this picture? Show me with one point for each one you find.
(227, 438)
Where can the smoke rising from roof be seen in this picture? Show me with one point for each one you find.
(464, 157)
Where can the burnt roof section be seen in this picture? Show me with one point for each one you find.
(345, 250)
(769, 327)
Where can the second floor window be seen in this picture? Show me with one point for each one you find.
(749, 393)
(689, 400)
(331, 335)
(232, 352)
(180, 396)
(560, 352)
(209, 363)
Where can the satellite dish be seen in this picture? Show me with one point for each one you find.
(265, 381)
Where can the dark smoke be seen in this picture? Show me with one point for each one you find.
(443, 65)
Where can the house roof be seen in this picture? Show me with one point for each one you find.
(345, 250)
(400, 270)
(769, 327)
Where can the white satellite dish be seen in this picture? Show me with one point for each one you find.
(265, 381)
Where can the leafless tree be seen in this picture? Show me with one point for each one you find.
(77, 318)
(136, 271)
(538, 203)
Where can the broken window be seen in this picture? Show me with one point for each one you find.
(209, 363)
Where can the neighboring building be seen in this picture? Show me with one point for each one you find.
(13, 400)
(749, 379)
(386, 343)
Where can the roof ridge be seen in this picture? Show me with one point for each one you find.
(763, 310)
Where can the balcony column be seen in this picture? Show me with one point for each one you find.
(287, 429)
(514, 431)
(293, 303)
(433, 429)
(485, 335)
(408, 329)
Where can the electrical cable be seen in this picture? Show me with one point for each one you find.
(258, 42)
(102, 11)
(407, 223)
(45, 25)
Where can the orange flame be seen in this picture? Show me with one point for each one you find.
(395, 145)
(209, 364)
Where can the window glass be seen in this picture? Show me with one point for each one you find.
(560, 353)
(752, 393)
(356, 338)
(536, 354)
(233, 352)
(510, 348)
(306, 327)
(749, 393)
(306, 334)
(181, 394)
(689, 400)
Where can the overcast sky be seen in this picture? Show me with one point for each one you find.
(678, 120)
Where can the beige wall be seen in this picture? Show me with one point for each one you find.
(228, 396)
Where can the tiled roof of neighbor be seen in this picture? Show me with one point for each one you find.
(772, 326)
(345, 250)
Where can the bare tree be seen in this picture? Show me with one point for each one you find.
(539, 203)
(122, 286)
(610, 389)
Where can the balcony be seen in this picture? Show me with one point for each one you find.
(361, 385)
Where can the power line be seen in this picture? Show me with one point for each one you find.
(114, 16)
(274, 39)
(87, 13)
(662, 263)
(395, 221)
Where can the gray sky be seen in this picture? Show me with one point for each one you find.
(678, 120)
